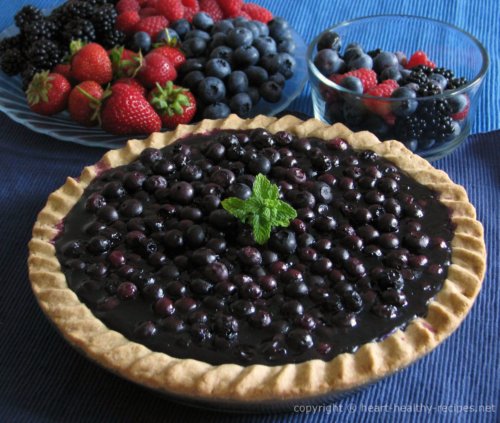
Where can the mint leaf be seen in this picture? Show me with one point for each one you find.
(263, 210)
(261, 229)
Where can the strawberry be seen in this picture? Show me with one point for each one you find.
(48, 93)
(231, 8)
(171, 9)
(384, 89)
(257, 13)
(127, 6)
(127, 112)
(127, 21)
(125, 63)
(128, 83)
(92, 63)
(367, 77)
(84, 103)
(173, 54)
(419, 58)
(175, 105)
(463, 113)
(152, 25)
(212, 8)
(156, 68)
(148, 11)
(63, 69)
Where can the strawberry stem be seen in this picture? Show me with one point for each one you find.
(170, 99)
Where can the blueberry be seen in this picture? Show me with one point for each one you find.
(278, 78)
(352, 52)
(241, 104)
(391, 72)
(287, 46)
(192, 79)
(218, 68)
(256, 75)
(181, 26)
(265, 45)
(197, 34)
(203, 21)
(216, 111)
(222, 52)
(254, 94)
(141, 41)
(278, 23)
(281, 34)
(270, 91)
(455, 131)
(354, 113)
(245, 56)
(360, 62)
(182, 192)
(193, 64)
(407, 105)
(352, 83)
(330, 40)
(194, 47)
(384, 59)
(270, 63)
(457, 103)
(238, 37)
(440, 80)
(328, 62)
(211, 90)
(218, 40)
(167, 36)
(425, 143)
(286, 65)
(262, 27)
(283, 241)
(237, 82)
(252, 27)
(223, 26)
(239, 190)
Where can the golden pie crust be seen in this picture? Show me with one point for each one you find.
(196, 379)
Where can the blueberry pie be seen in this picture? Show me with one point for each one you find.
(257, 259)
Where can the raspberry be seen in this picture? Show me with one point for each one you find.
(212, 8)
(191, 4)
(419, 58)
(384, 89)
(257, 13)
(367, 77)
(463, 114)
(148, 11)
(127, 6)
(189, 13)
(231, 8)
(127, 21)
(173, 10)
(152, 25)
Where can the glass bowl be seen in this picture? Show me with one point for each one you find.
(430, 125)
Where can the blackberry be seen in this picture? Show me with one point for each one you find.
(27, 75)
(428, 89)
(447, 73)
(104, 19)
(456, 83)
(11, 42)
(43, 28)
(80, 29)
(113, 38)
(439, 128)
(27, 15)
(12, 61)
(418, 77)
(433, 108)
(80, 9)
(44, 54)
(424, 69)
(410, 127)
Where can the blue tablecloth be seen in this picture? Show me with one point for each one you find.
(42, 379)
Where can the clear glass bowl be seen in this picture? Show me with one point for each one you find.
(446, 45)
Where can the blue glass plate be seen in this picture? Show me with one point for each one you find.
(13, 103)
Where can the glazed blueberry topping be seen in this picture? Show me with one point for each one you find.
(151, 251)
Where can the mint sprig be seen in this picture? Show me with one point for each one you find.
(263, 210)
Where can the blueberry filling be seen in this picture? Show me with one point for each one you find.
(154, 255)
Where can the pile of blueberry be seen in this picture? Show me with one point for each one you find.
(231, 64)
(416, 119)
(151, 251)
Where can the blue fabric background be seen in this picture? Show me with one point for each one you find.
(42, 379)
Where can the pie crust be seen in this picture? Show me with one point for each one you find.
(196, 379)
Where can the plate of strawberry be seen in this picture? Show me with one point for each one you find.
(161, 63)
